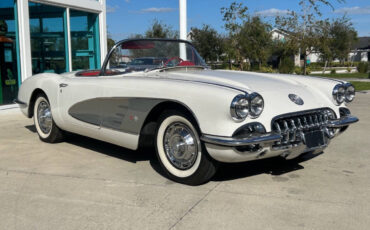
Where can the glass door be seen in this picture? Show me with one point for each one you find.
(85, 40)
(8, 53)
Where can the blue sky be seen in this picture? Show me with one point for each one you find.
(127, 17)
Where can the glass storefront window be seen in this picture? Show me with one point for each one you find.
(85, 40)
(47, 38)
(8, 53)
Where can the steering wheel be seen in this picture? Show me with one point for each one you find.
(171, 59)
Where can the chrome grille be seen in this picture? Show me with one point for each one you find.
(293, 126)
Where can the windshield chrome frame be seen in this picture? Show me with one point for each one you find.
(106, 60)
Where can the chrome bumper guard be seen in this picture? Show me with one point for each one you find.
(343, 121)
(267, 137)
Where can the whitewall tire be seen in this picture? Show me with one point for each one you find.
(180, 151)
(46, 128)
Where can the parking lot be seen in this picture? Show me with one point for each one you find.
(87, 184)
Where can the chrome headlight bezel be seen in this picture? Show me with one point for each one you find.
(343, 93)
(350, 92)
(242, 106)
(253, 102)
(339, 93)
(239, 108)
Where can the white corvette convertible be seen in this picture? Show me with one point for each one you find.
(161, 90)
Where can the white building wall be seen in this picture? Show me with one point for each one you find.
(359, 56)
(314, 57)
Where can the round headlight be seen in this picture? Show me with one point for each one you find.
(339, 93)
(239, 107)
(256, 105)
(350, 92)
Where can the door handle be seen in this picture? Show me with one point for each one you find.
(62, 85)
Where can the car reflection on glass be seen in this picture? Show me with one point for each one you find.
(140, 64)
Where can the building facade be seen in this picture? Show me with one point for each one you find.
(55, 36)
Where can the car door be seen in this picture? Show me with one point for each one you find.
(80, 107)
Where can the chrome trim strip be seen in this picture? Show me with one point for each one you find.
(20, 102)
(343, 121)
(235, 142)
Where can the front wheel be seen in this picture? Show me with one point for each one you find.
(46, 128)
(180, 151)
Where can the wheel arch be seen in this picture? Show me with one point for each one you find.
(33, 98)
(149, 126)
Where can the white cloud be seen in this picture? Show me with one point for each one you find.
(112, 9)
(272, 12)
(157, 10)
(353, 10)
(127, 1)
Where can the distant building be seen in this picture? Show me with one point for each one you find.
(282, 35)
(361, 50)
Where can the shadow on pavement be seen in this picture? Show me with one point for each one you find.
(273, 166)
(31, 128)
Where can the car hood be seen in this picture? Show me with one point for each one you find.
(248, 81)
(275, 88)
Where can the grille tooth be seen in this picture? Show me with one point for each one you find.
(300, 127)
(321, 120)
(277, 126)
(286, 132)
(305, 124)
(293, 127)
(316, 120)
(325, 118)
(294, 130)
(311, 122)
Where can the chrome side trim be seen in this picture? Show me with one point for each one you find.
(235, 142)
(343, 121)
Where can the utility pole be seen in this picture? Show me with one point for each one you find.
(183, 27)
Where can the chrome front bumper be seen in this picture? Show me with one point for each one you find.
(343, 121)
(225, 149)
(235, 142)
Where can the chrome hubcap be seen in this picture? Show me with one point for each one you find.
(44, 117)
(180, 145)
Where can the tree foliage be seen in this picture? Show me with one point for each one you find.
(246, 33)
(160, 30)
(336, 38)
(303, 24)
(208, 42)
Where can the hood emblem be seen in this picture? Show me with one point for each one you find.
(296, 99)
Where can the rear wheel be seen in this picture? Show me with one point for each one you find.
(180, 151)
(46, 128)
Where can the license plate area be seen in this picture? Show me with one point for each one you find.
(314, 139)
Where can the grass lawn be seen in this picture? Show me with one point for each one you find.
(343, 75)
(359, 85)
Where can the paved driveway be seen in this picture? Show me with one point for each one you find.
(88, 184)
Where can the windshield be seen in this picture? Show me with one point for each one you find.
(146, 55)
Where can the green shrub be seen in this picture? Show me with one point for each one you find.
(349, 69)
(308, 70)
(266, 69)
(333, 71)
(286, 65)
(368, 76)
(363, 67)
(298, 70)
(317, 65)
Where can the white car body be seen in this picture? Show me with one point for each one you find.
(207, 94)
(193, 116)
